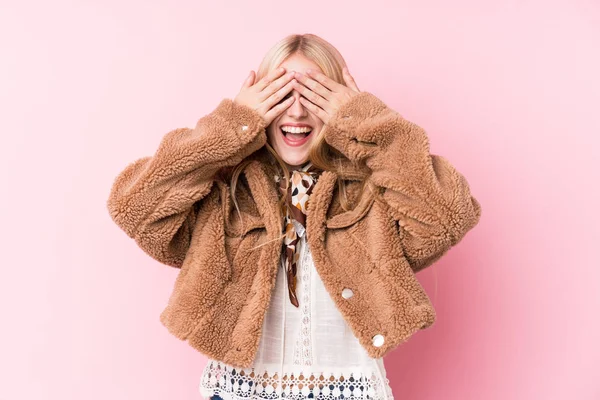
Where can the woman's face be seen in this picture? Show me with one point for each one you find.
(293, 147)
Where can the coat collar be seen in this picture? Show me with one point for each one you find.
(260, 173)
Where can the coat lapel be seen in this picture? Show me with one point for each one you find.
(265, 194)
(260, 176)
(316, 212)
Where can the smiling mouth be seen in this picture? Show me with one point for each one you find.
(294, 136)
(294, 132)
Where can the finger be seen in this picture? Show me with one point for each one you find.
(275, 86)
(311, 95)
(318, 111)
(324, 80)
(267, 79)
(276, 97)
(249, 80)
(279, 108)
(313, 85)
(350, 80)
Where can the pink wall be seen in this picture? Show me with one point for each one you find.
(508, 90)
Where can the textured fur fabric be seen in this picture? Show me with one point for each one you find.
(173, 205)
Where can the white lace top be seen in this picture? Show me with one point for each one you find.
(308, 351)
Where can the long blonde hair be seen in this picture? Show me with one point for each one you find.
(331, 62)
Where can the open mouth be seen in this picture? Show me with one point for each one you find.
(295, 136)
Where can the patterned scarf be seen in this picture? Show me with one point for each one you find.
(294, 211)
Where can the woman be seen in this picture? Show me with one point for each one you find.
(298, 328)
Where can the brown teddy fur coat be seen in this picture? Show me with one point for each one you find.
(177, 206)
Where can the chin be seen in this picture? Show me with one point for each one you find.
(296, 162)
(291, 156)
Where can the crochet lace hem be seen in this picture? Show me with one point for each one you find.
(236, 384)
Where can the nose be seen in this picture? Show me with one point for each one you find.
(296, 110)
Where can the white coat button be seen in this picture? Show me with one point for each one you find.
(347, 293)
(245, 127)
(378, 340)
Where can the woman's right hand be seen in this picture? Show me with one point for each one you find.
(265, 96)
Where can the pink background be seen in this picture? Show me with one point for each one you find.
(508, 91)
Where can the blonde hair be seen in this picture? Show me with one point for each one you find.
(322, 156)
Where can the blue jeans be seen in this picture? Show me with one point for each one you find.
(216, 397)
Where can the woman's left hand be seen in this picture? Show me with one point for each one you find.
(322, 95)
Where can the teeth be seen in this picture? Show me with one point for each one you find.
(293, 129)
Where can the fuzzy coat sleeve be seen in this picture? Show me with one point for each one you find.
(430, 200)
(155, 199)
